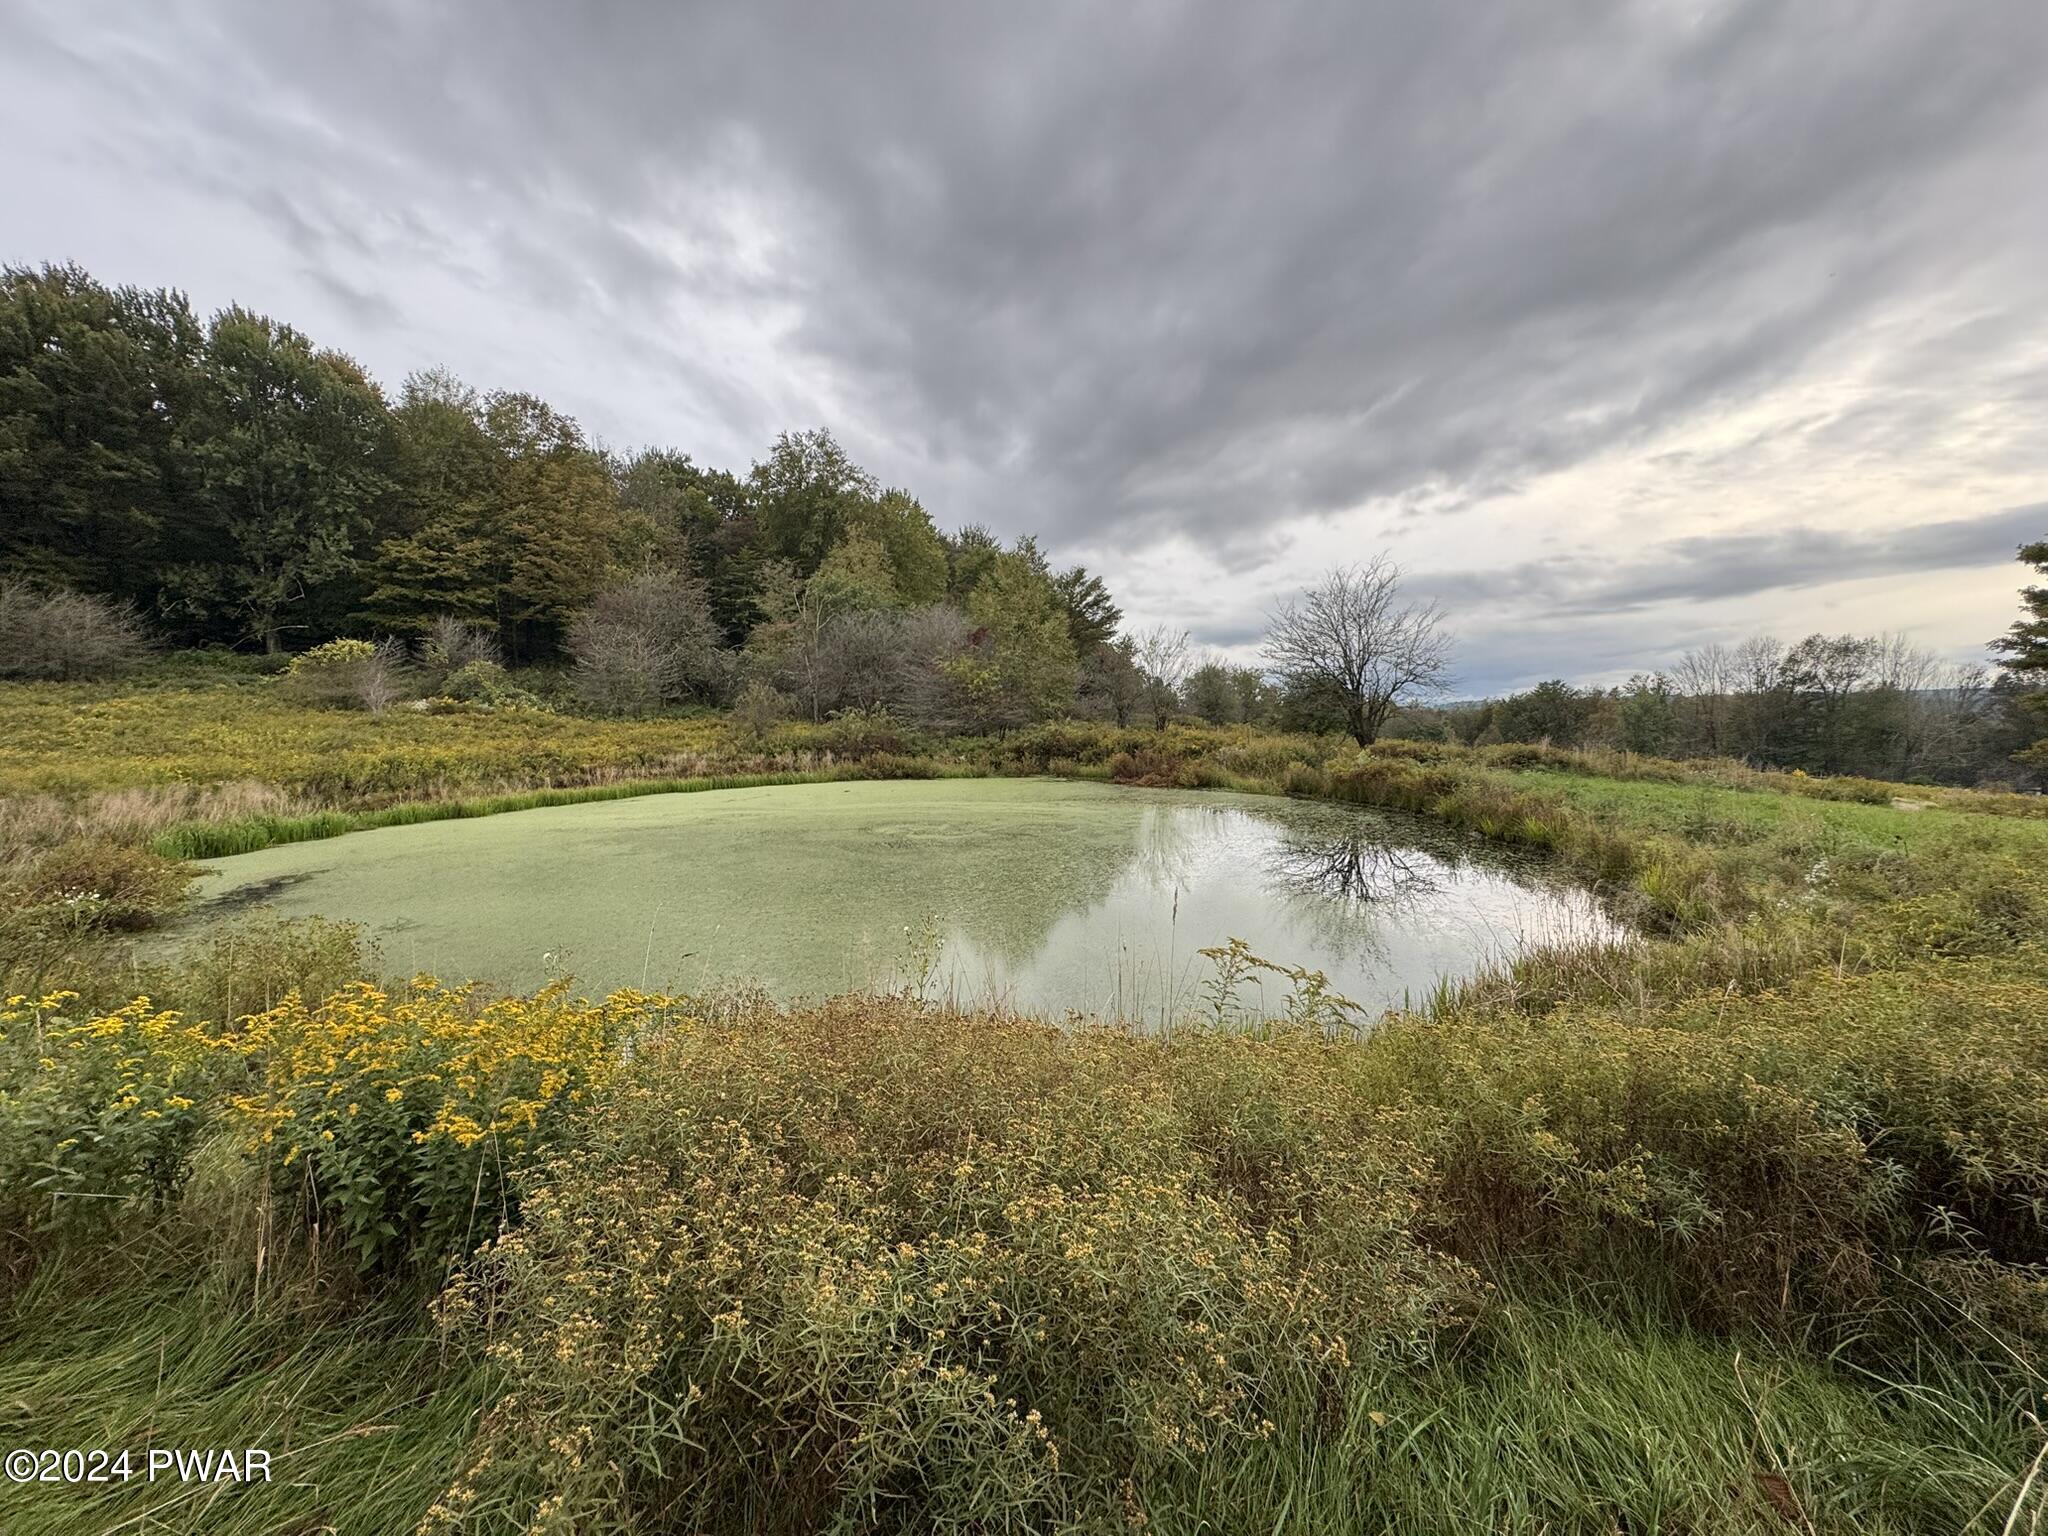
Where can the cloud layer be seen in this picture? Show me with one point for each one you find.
(1617, 324)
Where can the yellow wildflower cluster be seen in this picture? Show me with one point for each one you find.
(453, 1063)
(396, 1114)
(405, 1111)
(95, 1106)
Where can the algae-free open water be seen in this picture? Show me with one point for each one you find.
(1045, 896)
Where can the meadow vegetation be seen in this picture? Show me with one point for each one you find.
(1738, 1226)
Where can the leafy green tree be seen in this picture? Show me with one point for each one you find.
(897, 522)
(290, 451)
(856, 577)
(1028, 671)
(1092, 614)
(806, 493)
(1212, 694)
(94, 386)
(678, 512)
(1825, 671)
(1649, 715)
(662, 515)
(731, 564)
(1255, 696)
(447, 462)
(1312, 704)
(553, 522)
(1112, 683)
(1553, 711)
(970, 554)
(436, 557)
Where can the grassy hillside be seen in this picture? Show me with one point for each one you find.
(1738, 1227)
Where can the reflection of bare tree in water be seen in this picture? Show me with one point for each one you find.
(1351, 866)
(1343, 881)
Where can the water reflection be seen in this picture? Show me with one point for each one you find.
(1386, 906)
(1351, 866)
(1050, 896)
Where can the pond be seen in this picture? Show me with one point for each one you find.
(1041, 895)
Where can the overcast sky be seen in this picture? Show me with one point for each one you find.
(1621, 327)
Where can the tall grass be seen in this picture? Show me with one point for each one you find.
(1557, 1419)
(363, 1411)
(1735, 1226)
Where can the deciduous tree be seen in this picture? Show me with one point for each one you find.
(1163, 657)
(290, 451)
(94, 386)
(916, 555)
(805, 494)
(1028, 673)
(1352, 638)
(647, 642)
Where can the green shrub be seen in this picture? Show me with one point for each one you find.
(453, 645)
(1151, 768)
(1750, 1158)
(213, 664)
(348, 674)
(488, 684)
(759, 708)
(861, 733)
(58, 906)
(253, 966)
(111, 885)
(1302, 779)
(936, 1273)
(1269, 757)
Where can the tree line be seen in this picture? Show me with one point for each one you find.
(229, 482)
(1349, 656)
(235, 484)
(1870, 705)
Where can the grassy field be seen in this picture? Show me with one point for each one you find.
(74, 739)
(1738, 1227)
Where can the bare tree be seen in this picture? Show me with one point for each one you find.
(1164, 658)
(932, 687)
(66, 635)
(1704, 678)
(1352, 638)
(349, 674)
(860, 659)
(647, 643)
(1763, 683)
(452, 644)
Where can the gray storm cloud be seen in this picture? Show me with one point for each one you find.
(1242, 278)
